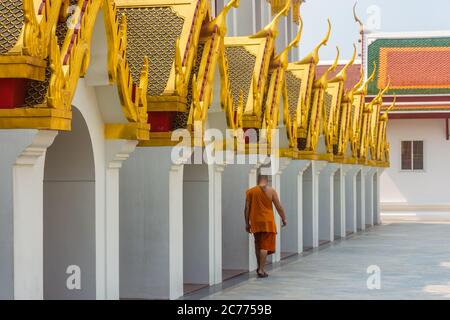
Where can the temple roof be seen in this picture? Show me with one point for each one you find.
(418, 68)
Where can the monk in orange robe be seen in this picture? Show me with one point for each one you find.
(260, 220)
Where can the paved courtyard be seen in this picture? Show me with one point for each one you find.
(413, 257)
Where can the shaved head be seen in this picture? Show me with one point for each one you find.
(263, 178)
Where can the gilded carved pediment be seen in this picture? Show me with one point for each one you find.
(59, 33)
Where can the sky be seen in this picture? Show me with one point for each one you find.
(378, 15)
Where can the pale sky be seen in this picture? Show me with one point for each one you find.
(387, 15)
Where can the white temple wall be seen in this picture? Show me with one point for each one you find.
(424, 190)
(21, 166)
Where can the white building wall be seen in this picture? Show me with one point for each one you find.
(12, 143)
(426, 190)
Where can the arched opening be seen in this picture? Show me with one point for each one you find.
(337, 208)
(69, 215)
(359, 203)
(308, 223)
(196, 227)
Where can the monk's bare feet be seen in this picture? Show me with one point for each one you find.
(261, 274)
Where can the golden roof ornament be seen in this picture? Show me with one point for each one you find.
(272, 28)
(342, 75)
(313, 57)
(322, 82)
(278, 5)
(385, 115)
(357, 19)
(363, 88)
(360, 83)
(283, 56)
(221, 19)
(379, 98)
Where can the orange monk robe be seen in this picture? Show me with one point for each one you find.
(262, 220)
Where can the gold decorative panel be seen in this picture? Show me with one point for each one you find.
(37, 90)
(11, 23)
(152, 32)
(293, 84)
(241, 64)
(328, 101)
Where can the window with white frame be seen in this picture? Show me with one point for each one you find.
(412, 155)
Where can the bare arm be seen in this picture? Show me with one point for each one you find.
(279, 207)
(247, 215)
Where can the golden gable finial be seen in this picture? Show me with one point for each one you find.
(363, 88)
(314, 55)
(323, 80)
(342, 75)
(388, 86)
(385, 114)
(143, 81)
(195, 113)
(295, 42)
(284, 55)
(372, 76)
(379, 97)
(392, 106)
(357, 19)
(272, 28)
(221, 19)
(360, 82)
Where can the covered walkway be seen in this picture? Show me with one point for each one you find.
(413, 257)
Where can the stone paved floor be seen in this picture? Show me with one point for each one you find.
(414, 259)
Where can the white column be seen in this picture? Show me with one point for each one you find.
(252, 180)
(300, 205)
(377, 219)
(215, 223)
(28, 175)
(368, 197)
(351, 200)
(326, 201)
(12, 144)
(340, 202)
(362, 202)
(317, 167)
(176, 231)
(307, 207)
(276, 184)
(117, 151)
